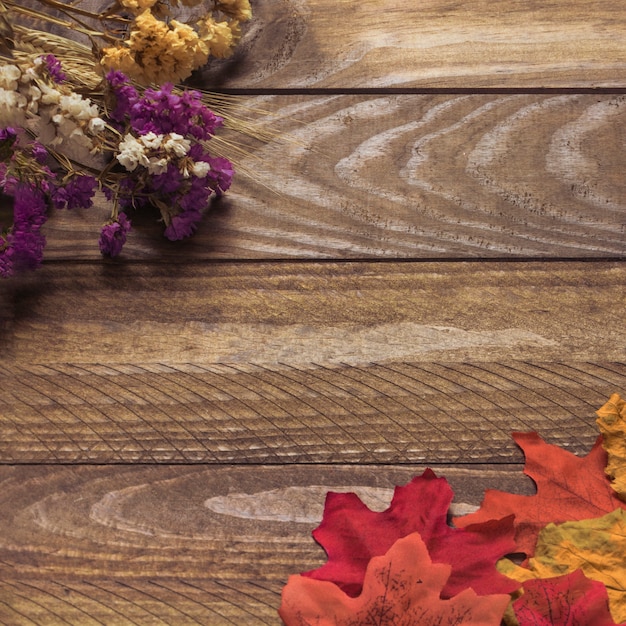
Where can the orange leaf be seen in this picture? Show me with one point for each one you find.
(401, 588)
(569, 488)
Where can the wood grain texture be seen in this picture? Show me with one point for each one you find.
(383, 43)
(138, 602)
(298, 313)
(399, 412)
(404, 176)
(312, 362)
(320, 330)
(188, 545)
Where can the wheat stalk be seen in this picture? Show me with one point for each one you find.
(77, 59)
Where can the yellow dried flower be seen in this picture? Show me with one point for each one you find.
(184, 37)
(162, 50)
(146, 30)
(237, 9)
(137, 6)
(120, 58)
(218, 36)
(235, 29)
(157, 52)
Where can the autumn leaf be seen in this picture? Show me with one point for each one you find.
(568, 600)
(612, 423)
(595, 546)
(401, 588)
(352, 534)
(569, 488)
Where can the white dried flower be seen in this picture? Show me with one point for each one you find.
(96, 125)
(132, 153)
(33, 94)
(78, 107)
(9, 75)
(12, 106)
(177, 144)
(29, 75)
(49, 95)
(151, 140)
(200, 169)
(68, 132)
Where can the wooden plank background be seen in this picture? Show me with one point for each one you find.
(422, 252)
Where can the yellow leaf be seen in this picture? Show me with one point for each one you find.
(612, 423)
(595, 546)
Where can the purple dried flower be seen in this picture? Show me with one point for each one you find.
(169, 182)
(27, 250)
(29, 208)
(47, 180)
(221, 172)
(113, 236)
(8, 134)
(53, 65)
(22, 248)
(125, 95)
(40, 154)
(202, 122)
(8, 137)
(220, 175)
(183, 190)
(76, 194)
(183, 225)
(127, 188)
(163, 112)
(196, 197)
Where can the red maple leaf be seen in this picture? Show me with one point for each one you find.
(568, 600)
(401, 588)
(569, 488)
(352, 534)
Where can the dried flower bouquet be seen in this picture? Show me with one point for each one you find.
(95, 106)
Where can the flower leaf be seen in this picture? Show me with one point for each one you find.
(595, 546)
(568, 600)
(401, 588)
(569, 488)
(352, 534)
(612, 423)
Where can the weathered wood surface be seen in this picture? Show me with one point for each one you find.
(405, 176)
(309, 362)
(179, 545)
(359, 312)
(436, 43)
(402, 412)
(295, 345)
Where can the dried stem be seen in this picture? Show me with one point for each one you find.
(72, 12)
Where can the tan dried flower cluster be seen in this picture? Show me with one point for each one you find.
(137, 5)
(167, 50)
(236, 9)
